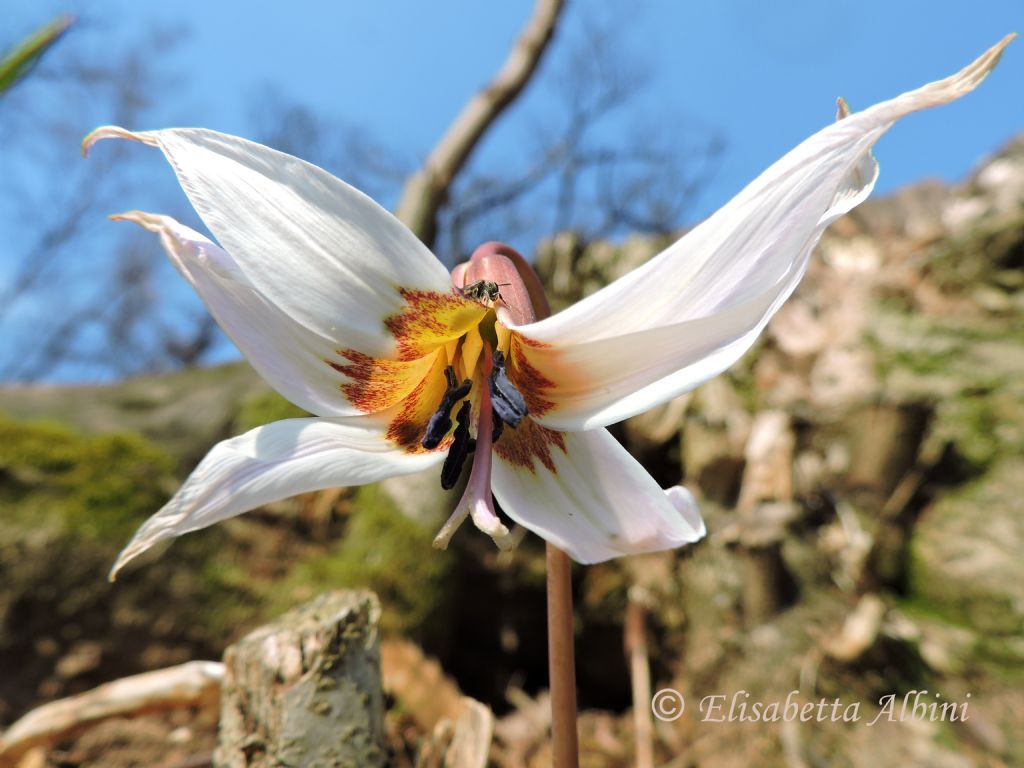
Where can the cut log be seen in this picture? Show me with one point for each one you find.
(306, 689)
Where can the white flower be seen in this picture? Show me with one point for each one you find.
(350, 317)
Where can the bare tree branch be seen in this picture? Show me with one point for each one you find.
(57, 314)
(584, 173)
(426, 190)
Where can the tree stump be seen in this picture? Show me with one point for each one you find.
(305, 690)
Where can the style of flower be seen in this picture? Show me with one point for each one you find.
(345, 313)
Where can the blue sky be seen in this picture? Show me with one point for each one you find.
(763, 75)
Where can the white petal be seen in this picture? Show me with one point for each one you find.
(274, 462)
(607, 380)
(322, 251)
(746, 259)
(598, 503)
(686, 505)
(288, 355)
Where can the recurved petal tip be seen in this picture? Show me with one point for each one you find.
(151, 221)
(968, 78)
(128, 554)
(114, 132)
(996, 50)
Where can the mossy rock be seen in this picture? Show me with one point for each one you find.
(965, 556)
(184, 412)
(98, 487)
(989, 253)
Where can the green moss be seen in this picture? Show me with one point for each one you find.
(228, 595)
(100, 487)
(971, 423)
(980, 254)
(954, 573)
(387, 552)
(987, 652)
(263, 408)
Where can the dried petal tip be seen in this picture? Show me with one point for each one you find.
(150, 221)
(114, 132)
(988, 60)
(842, 108)
(968, 78)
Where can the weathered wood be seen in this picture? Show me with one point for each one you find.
(859, 633)
(886, 472)
(194, 684)
(765, 509)
(471, 741)
(305, 690)
(886, 440)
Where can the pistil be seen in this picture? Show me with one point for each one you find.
(476, 500)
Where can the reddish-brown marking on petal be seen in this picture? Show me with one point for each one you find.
(430, 319)
(529, 442)
(530, 382)
(527, 341)
(375, 384)
(409, 421)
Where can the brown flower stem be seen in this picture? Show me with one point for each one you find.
(561, 660)
(635, 632)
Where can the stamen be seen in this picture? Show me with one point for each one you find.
(441, 422)
(476, 500)
(457, 454)
(509, 404)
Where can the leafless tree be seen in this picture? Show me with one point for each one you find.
(575, 170)
(427, 190)
(578, 174)
(72, 306)
(345, 149)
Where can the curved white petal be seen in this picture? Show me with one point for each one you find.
(274, 462)
(607, 380)
(681, 498)
(598, 503)
(322, 251)
(748, 256)
(291, 357)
